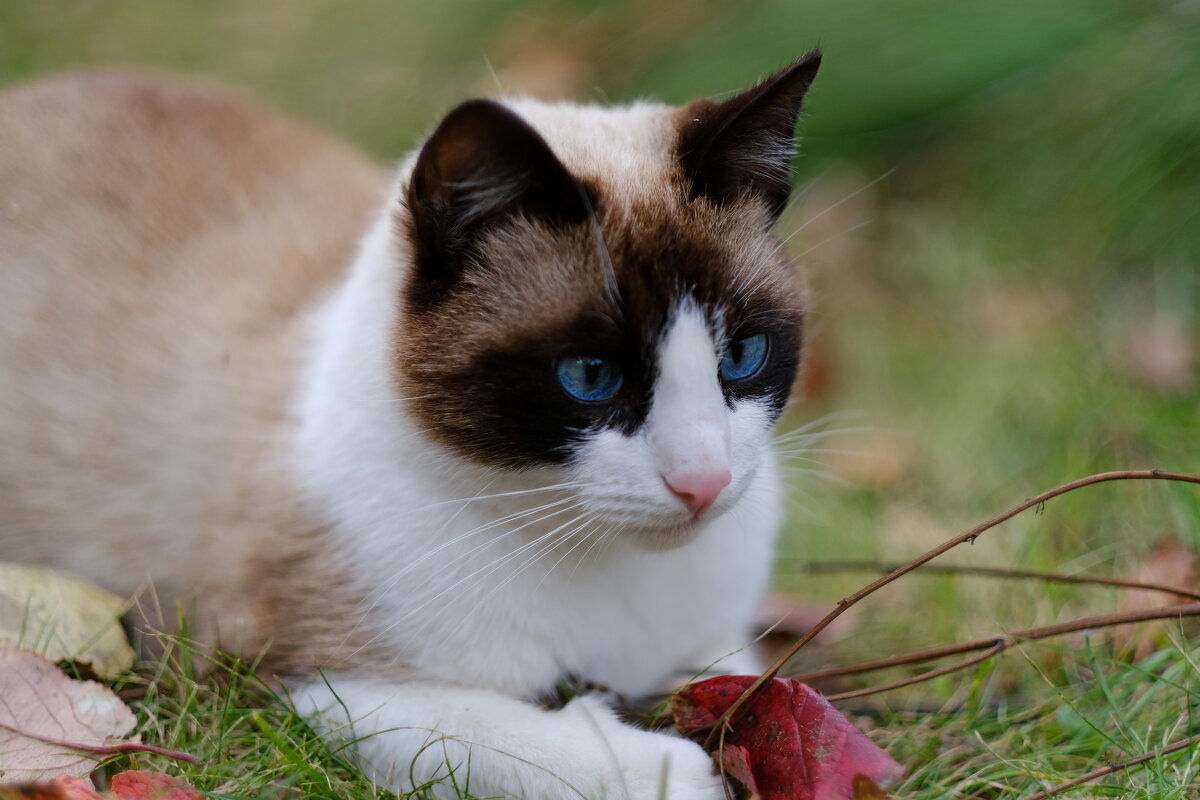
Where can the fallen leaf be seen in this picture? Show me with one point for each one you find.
(1018, 313)
(144, 785)
(868, 460)
(63, 618)
(798, 615)
(51, 725)
(543, 56)
(734, 764)
(867, 789)
(128, 785)
(791, 741)
(1170, 563)
(818, 379)
(64, 787)
(1163, 354)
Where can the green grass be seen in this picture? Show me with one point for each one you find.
(1066, 710)
(1000, 206)
(1092, 710)
(248, 740)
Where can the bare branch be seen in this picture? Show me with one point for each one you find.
(970, 536)
(994, 645)
(851, 565)
(995, 650)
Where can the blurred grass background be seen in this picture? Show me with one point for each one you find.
(998, 203)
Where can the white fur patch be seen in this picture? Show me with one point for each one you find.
(505, 581)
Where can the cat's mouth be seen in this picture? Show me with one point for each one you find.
(666, 531)
(658, 521)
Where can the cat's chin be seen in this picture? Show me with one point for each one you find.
(669, 535)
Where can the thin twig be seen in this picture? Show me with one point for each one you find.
(995, 650)
(1109, 769)
(851, 565)
(1006, 639)
(994, 644)
(719, 725)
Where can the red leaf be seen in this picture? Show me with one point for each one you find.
(145, 785)
(795, 745)
(735, 763)
(73, 788)
(63, 787)
(1170, 563)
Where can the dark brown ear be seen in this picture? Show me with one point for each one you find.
(482, 165)
(745, 144)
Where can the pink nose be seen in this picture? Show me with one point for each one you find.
(698, 491)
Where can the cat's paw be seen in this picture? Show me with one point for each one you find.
(648, 765)
(672, 769)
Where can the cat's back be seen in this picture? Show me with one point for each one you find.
(124, 176)
(160, 240)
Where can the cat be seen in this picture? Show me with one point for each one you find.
(431, 441)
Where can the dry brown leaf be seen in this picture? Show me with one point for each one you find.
(1170, 563)
(543, 56)
(873, 460)
(63, 618)
(796, 616)
(1019, 313)
(818, 377)
(1163, 354)
(867, 789)
(51, 725)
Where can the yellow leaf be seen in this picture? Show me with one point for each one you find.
(63, 618)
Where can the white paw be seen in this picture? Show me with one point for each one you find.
(647, 765)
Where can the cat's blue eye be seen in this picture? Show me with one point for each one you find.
(744, 357)
(588, 378)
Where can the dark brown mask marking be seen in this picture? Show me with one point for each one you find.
(519, 263)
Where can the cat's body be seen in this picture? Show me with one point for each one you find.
(402, 457)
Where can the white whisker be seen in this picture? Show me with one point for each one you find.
(516, 493)
(604, 535)
(377, 595)
(474, 532)
(550, 542)
(832, 237)
(581, 537)
(832, 206)
(487, 569)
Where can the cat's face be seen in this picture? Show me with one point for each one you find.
(600, 291)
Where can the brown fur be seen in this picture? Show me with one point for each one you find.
(548, 294)
(480, 334)
(158, 242)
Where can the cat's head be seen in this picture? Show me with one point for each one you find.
(599, 290)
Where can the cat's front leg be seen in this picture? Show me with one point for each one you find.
(492, 745)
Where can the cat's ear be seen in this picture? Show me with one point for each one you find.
(745, 143)
(482, 165)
